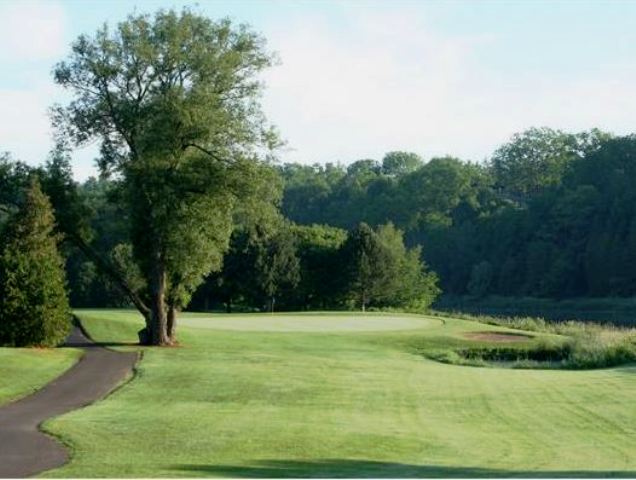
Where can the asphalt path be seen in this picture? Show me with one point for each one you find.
(24, 449)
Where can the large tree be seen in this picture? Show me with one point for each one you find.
(174, 100)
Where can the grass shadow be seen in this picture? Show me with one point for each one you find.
(99, 344)
(345, 468)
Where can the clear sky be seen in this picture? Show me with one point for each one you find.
(360, 78)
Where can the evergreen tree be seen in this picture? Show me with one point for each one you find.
(34, 307)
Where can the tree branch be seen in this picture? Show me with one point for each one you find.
(113, 273)
(206, 151)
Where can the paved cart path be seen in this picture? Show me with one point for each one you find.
(24, 449)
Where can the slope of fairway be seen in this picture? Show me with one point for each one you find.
(25, 370)
(282, 322)
(309, 323)
(345, 403)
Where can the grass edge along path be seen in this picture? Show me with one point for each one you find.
(356, 403)
(23, 371)
(24, 449)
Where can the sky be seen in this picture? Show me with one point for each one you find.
(358, 78)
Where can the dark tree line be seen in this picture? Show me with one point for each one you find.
(551, 214)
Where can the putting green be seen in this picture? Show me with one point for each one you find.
(310, 323)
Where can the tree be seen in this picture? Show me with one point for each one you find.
(14, 178)
(411, 284)
(370, 268)
(318, 252)
(538, 158)
(34, 307)
(237, 279)
(400, 163)
(277, 265)
(174, 100)
(430, 193)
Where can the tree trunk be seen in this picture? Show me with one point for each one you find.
(271, 304)
(159, 318)
(172, 324)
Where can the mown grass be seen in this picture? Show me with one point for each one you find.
(350, 403)
(25, 370)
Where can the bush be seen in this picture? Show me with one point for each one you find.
(34, 307)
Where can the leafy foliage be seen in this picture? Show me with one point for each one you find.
(34, 307)
(174, 100)
(380, 271)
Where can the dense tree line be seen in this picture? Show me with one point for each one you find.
(551, 214)
(317, 267)
(271, 263)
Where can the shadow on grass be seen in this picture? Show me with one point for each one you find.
(99, 344)
(340, 468)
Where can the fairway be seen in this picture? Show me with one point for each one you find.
(310, 322)
(280, 403)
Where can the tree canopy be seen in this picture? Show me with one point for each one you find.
(174, 100)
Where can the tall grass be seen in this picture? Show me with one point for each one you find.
(619, 311)
(584, 345)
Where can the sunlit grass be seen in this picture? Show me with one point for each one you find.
(345, 403)
(25, 370)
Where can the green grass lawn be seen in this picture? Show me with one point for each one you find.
(25, 370)
(343, 395)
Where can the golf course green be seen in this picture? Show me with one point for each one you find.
(346, 395)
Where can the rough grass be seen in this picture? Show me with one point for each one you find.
(25, 370)
(345, 404)
(570, 344)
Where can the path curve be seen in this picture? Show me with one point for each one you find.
(24, 449)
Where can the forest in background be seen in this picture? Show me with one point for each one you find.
(549, 215)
